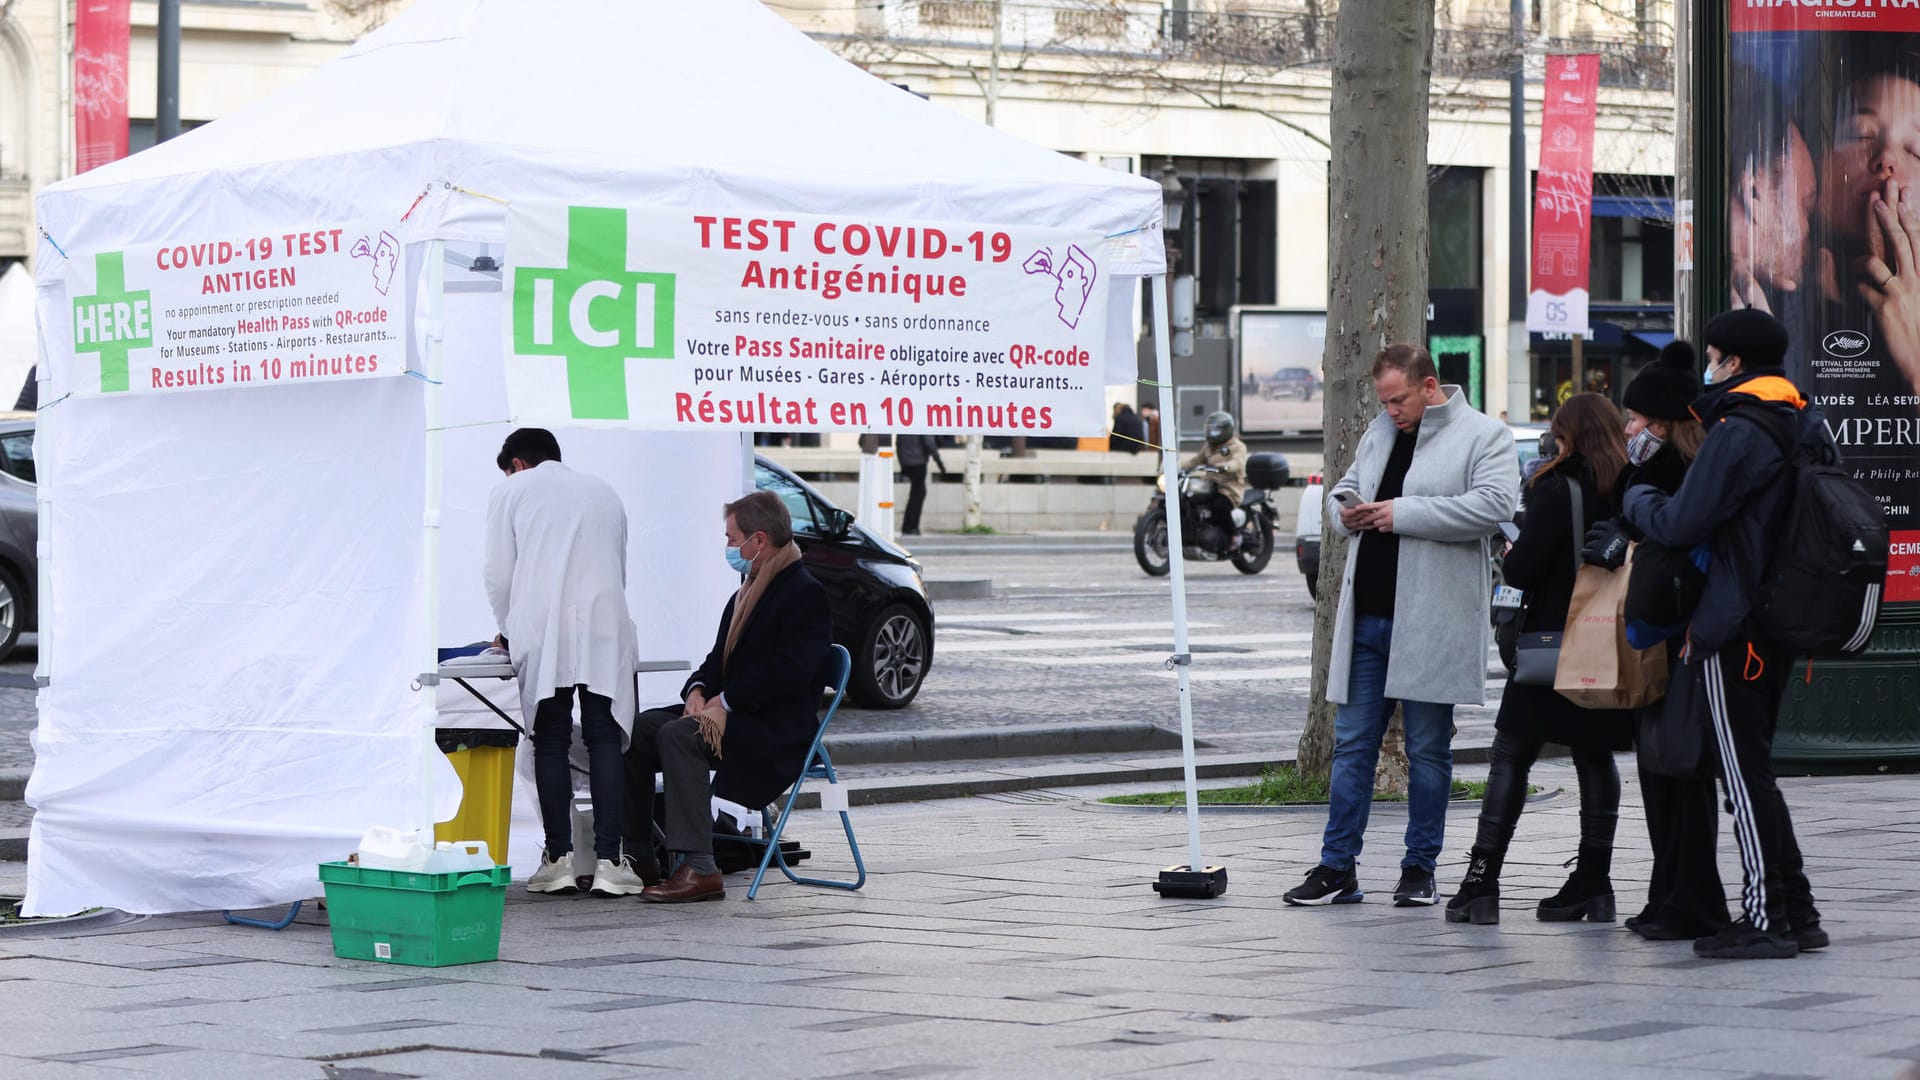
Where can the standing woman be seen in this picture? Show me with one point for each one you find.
(1592, 454)
(1685, 898)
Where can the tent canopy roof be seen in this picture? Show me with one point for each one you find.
(720, 104)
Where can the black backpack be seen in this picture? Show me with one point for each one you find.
(1820, 592)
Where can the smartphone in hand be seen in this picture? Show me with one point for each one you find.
(1347, 498)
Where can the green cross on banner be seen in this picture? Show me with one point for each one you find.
(594, 312)
(112, 322)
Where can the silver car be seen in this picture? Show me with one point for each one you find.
(19, 531)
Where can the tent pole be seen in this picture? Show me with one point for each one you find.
(43, 509)
(1196, 879)
(433, 296)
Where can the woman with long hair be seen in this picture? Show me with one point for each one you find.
(1591, 456)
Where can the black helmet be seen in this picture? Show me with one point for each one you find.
(1219, 427)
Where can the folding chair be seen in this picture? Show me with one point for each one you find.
(818, 766)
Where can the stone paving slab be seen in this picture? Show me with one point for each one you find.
(1003, 936)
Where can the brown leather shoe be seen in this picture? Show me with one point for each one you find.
(686, 886)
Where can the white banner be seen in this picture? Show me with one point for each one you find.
(300, 305)
(680, 320)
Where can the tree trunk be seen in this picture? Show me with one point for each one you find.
(1377, 272)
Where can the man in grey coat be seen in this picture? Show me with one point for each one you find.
(1431, 480)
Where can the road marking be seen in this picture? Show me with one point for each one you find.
(1157, 659)
(1044, 645)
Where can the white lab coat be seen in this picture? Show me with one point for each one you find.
(556, 575)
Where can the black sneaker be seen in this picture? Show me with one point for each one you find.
(1325, 885)
(1415, 888)
(1808, 935)
(1742, 942)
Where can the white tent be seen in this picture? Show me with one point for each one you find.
(18, 350)
(244, 584)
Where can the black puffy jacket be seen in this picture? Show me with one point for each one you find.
(1736, 495)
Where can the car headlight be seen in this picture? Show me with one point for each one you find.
(1160, 483)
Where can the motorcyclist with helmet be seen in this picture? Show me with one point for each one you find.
(1227, 455)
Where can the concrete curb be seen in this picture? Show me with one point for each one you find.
(13, 784)
(989, 781)
(13, 845)
(1009, 743)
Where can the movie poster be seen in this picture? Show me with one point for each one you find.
(1823, 152)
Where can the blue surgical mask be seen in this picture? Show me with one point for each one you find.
(740, 563)
(1707, 379)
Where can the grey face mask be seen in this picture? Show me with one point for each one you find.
(1642, 447)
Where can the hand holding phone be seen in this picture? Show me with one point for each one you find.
(1347, 498)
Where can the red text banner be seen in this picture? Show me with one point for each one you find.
(100, 42)
(727, 320)
(1563, 197)
(312, 304)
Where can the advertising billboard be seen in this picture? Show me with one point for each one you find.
(1277, 355)
(1823, 142)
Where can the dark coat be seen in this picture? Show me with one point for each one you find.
(773, 687)
(1130, 432)
(1736, 494)
(914, 450)
(1541, 564)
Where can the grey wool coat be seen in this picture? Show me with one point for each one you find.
(1464, 481)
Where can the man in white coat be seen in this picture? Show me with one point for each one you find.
(1430, 482)
(556, 574)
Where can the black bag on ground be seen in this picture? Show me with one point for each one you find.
(1673, 739)
(1820, 593)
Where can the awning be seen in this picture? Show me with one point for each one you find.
(1658, 339)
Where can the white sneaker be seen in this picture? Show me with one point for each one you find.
(554, 875)
(615, 879)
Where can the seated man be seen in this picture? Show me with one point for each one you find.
(751, 708)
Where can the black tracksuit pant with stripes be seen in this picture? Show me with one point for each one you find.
(1737, 692)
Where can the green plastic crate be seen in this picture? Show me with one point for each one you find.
(405, 917)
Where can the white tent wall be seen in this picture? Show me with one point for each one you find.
(233, 624)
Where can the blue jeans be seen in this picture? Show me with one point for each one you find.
(1358, 727)
(553, 774)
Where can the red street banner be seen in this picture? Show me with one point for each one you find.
(100, 82)
(1563, 197)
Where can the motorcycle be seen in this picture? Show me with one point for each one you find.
(1204, 541)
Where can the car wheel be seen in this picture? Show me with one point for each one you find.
(13, 612)
(1150, 543)
(892, 660)
(1313, 586)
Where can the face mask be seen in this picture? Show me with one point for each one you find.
(1708, 379)
(1643, 446)
(740, 564)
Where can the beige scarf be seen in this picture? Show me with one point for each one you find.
(713, 718)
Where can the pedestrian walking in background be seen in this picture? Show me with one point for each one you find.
(1431, 480)
(1737, 496)
(1581, 480)
(1129, 431)
(1685, 897)
(912, 451)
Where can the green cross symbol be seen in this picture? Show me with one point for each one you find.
(113, 322)
(589, 313)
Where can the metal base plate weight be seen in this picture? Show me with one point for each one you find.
(1186, 883)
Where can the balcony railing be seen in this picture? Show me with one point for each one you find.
(1276, 39)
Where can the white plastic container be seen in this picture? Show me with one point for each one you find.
(387, 848)
(459, 856)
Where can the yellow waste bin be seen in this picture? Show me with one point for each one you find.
(483, 757)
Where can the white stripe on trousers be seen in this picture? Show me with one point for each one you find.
(1753, 893)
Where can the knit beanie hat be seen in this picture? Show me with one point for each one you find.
(1664, 388)
(1754, 336)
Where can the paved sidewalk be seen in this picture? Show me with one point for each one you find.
(1016, 934)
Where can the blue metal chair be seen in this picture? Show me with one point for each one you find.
(818, 767)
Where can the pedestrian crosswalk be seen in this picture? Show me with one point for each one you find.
(1068, 641)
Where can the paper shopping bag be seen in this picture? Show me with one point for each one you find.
(1598, 669)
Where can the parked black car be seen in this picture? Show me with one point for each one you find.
(880, 607)
(19, 531)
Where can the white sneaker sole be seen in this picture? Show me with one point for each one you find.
(1328, 900)
(608, 888)
(1415, 901)
(563, 885)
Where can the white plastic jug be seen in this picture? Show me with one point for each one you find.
(387, 848)
(459, 856)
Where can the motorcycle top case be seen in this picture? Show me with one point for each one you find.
(1268, 471)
